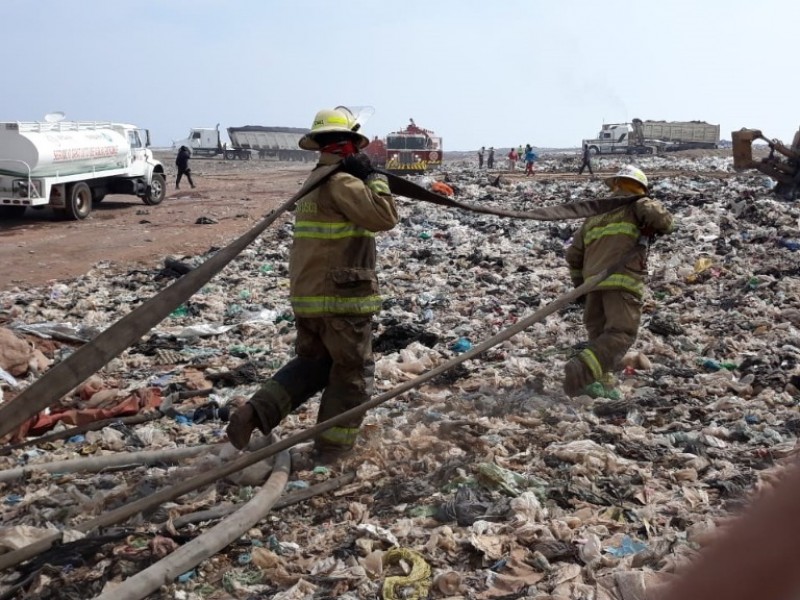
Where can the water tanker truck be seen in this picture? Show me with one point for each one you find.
(68, 165)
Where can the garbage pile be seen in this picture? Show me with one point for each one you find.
(485, 483)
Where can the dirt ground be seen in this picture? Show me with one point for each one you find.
(124, 231)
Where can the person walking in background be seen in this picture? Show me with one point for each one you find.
(513, 157)
(613, 310)
(586, 160)
(182, 162)
(490, 160)
(333, 290)
(530, 157)
(480, 156)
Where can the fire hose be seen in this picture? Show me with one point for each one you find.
(88, 359)
(126, 511)
(120, 335)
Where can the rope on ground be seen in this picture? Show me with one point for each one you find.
(95, 464)
(288, 500)
(207, 544)
(10, 559)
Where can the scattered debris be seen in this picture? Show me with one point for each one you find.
(488, 476)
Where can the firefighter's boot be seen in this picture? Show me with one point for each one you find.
(605, 387)
(576, 377)
(264, 411)
(241, 426)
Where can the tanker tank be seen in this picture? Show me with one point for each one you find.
(61, 149)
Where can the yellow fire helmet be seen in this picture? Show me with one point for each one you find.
(629, 173)
(333, 120)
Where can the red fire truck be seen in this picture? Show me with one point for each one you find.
(410, 150)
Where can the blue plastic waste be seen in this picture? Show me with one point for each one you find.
(792, 245)
(461, 345)
(297, 485)
(628, 547)
(186, 576)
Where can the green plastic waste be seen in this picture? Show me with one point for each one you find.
(598, 390)
(510, 483)
(181, 311)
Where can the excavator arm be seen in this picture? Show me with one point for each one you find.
(782, 164)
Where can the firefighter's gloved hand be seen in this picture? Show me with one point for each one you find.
(358, 165)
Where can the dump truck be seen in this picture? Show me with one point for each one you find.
(781, 164)
(69, 165)
(412, 149)
(247, 142)
(652, 137)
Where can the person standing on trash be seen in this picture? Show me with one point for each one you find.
(182, 162)
(613, 310)
(512, 160)
(480, 156)
(530, 157)
(586, 160)
(333, 291)
(490, 159)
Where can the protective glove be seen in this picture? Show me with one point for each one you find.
(358, 165)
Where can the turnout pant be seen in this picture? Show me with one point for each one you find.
(584, 165)
(334, 355)
(181, 173)
(612, 320)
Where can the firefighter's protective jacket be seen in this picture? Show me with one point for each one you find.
(332, 262)
(604, 239)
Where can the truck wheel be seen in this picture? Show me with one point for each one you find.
(594, 150)
(11, 212)
(156, 191)
(79, 201)
(230, 155)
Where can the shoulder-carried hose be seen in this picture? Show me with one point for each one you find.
(88, 359)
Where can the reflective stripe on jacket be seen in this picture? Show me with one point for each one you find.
(603, 240)
(332, 263)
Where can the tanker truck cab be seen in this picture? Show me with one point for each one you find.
(71, 165)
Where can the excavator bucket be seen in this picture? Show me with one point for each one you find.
(743, 148)
(782, 164)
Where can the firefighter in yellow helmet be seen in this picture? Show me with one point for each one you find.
(613, 310)
(333, 291)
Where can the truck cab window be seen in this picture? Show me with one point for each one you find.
(196, 135)
(133, 138)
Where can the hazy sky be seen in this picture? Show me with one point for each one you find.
(487, 73)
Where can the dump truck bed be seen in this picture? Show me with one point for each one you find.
(681, 131)
(256, 137)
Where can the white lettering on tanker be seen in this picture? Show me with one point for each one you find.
(83, 153)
